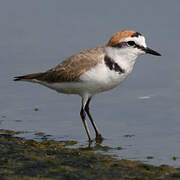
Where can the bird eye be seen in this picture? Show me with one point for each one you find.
(131, 43)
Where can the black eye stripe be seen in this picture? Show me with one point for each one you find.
(125, 44)
(131, 43)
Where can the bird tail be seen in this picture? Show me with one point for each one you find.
(29, 77)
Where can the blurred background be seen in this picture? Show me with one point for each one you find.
(141, 116)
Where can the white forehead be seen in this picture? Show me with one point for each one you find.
(140, 40)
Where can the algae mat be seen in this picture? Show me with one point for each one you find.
(22, 159)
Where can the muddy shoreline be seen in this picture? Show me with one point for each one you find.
(48, 160)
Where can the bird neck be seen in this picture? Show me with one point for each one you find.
(123, 57)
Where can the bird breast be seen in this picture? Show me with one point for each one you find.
(102, 78)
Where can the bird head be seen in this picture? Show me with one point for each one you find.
(129, 43)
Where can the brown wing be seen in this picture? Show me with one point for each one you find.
(73, 67)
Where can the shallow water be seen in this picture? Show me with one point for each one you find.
(141, 116)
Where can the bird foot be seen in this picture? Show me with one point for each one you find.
(99, 138)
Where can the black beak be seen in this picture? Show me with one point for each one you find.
(150, 51)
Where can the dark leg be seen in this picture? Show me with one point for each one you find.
(83, 117)
(98, 135)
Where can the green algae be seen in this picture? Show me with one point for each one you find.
(51, 160)
(99, 147)
(9, 132)
(68, 143)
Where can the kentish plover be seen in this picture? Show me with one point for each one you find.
(94, 70)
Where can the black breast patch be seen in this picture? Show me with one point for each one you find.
(113, 66)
